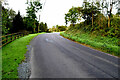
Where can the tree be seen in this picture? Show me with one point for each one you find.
(7, 19)
(50, 29)
(109, 6)
(72, 15)
(60, 28)
(53, 29)
(11, 14)
(46, 27)
(18, 23)
(32, 9)
(43, 27)
(66, 18)
(90, 10)
(118, 8)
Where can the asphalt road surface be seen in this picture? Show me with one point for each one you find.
(56, 57)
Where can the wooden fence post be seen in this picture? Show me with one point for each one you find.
(15, 36)
(23, 34)
(6, 38)
(18, 35)
(11, 38)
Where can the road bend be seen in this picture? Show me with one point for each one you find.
(53, 56)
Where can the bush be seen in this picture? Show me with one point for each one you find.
(106, 44)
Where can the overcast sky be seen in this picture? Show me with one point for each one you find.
(53, 11)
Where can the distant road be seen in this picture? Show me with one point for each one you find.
(56, 57)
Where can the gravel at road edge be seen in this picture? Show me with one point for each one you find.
(24, 69)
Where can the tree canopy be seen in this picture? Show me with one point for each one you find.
(32, 9)
(97, 16)
(72, 15)
(18, 23)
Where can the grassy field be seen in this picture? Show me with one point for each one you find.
(105, 44)
(13, 55)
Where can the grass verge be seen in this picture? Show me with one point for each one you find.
(105, 44)
(13, 55)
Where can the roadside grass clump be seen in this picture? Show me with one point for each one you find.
(106, 44)
(13, 55)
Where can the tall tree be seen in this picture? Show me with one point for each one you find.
(60, 28)
(118, 8)
(109, 7)
(66, 19)
(90, 10)
(7, 19)
(43, 27)
(32, 9)
(18, 23)
(72, 15)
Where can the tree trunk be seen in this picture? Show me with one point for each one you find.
(92, 19)
(108, 21)
(38, 27)
(39, 24)
(34, 30)
(34, 27)
(101, 21)
(109, 16)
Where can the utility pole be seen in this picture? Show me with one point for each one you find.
(39, 24)
(39, 15)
